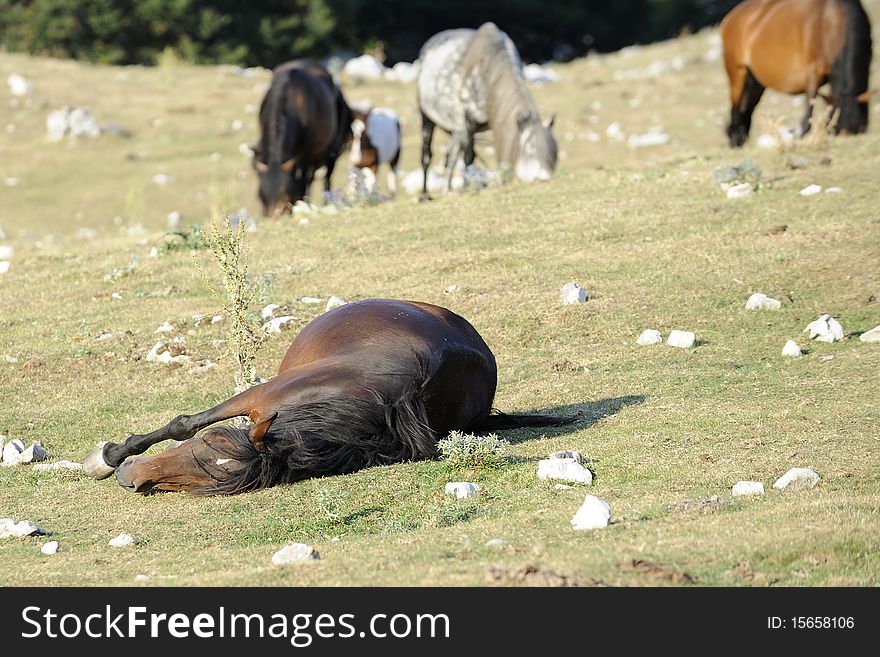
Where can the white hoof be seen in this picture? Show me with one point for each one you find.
(95, 466)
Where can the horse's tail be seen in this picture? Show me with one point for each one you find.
(849, 74)
(498, 421)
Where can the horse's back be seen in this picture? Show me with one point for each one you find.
(439, 81)
(788, 45)
(383, 330)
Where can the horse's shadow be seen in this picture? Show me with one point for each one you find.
(587, 414)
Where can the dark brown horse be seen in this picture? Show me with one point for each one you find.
(368, 383)
(304, 125)
(796, 46)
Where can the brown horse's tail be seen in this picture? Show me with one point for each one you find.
(499, 421)
(849, 74)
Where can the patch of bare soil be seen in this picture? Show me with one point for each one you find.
(659, 571)
(531, 575)
(710, 503)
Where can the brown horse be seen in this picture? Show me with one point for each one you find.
(305, 123)
(368, 383)
(796, 46)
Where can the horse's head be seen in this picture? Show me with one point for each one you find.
(208, 463)
(536, 158)
(279, 187)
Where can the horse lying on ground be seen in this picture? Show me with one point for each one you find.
(796, 46)
(368, 383)
(471, 81)
(305, 123)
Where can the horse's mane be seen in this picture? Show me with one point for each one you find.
(494, 57)
(280, 134)
(337, 435)
(850, 71)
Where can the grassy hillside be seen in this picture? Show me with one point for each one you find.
(645, 230)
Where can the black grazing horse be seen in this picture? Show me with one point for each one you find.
(368, 383)
(304, 124)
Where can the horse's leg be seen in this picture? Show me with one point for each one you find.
(101, 462)
(808, 114)
(329, 165)
(743, 104)
(392, 175)
(453, 151)
(469, 142)
(427, 137)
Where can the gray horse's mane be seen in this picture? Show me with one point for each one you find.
(493, 57)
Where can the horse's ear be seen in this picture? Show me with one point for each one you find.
(550, 122)
(260, 166)
(288, 165)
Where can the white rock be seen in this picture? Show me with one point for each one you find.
(563, 487)
(172, 221)
(123, 540)
(49, 548)
(167, 327)
(496, 542)
(593, 514)
(12, 451)
(63, 464)
(462, 489)
(615, 131)
(8, 527)
(647, 139)
(871, 336)
(833, 190)
(275, 325)
(216, 319)
(18, 85)
(6, 251)
(572, 294)
(267, 310)
(537, 74)
(567, 454)
(760, 301)
(681, 339)
(162, 179)
(791, 349)
(741, 190)
(33, 453)
(56, 124)
(648, 337)
(748, 488)
(453, 288)
(4, 266)
(365, 67)
(565, 469)
(310, 300)
(825, 329)
(402, 72)
(767, 141)
(334, 302)
(811, 190)
(154, 253)
(797, 479)
(141, 578)
(295, 553)
(153, 354)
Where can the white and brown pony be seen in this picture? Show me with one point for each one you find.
(376, 141)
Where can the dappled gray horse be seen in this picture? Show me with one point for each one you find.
(471, 81)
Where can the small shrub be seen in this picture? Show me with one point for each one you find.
(229, 249)
(183, 240)
(329, 502)
(726, 175)
(465, 450)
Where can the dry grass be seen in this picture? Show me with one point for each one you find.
(654, 242)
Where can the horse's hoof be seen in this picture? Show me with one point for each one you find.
(95, 466)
